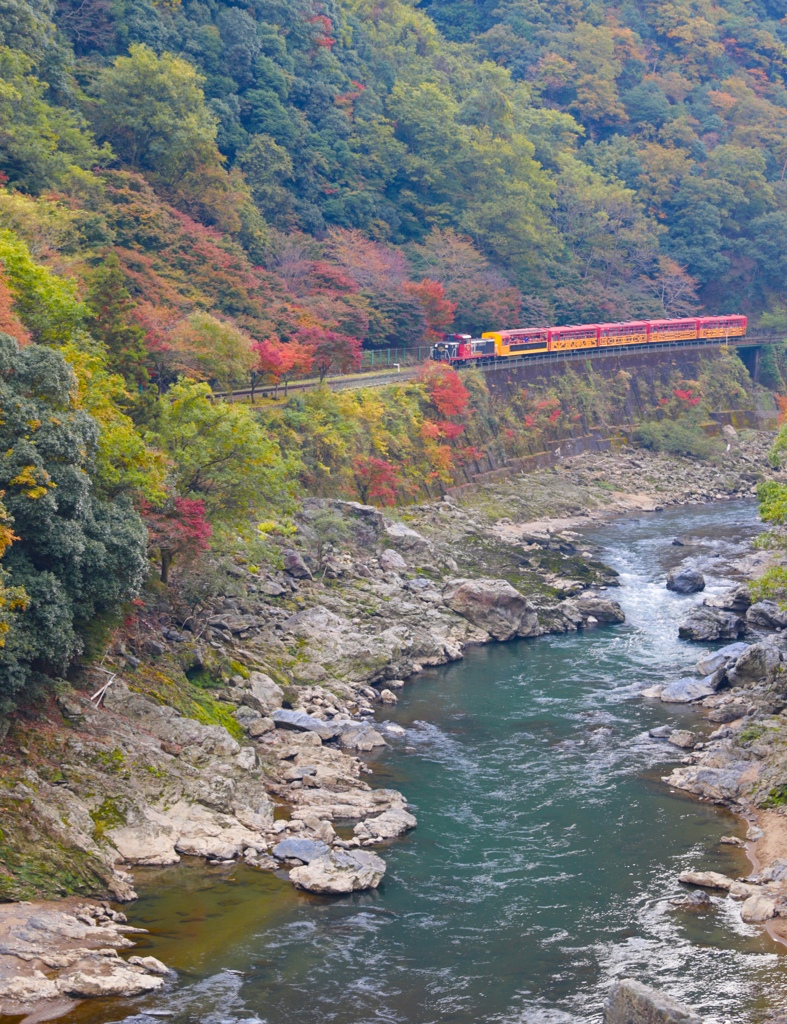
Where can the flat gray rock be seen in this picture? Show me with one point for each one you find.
(735, 600)
(306, 850)
(340, 871)
(706, 624)
(716, 660)
(767, 615)
(285, 719)
(684, 691)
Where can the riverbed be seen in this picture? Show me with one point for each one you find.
(545, 858)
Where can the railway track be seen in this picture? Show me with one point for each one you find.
(352, 382)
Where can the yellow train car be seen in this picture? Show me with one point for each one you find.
(527, 341)
(635, 332)
(721, 326)
(567, 339)
(673, 330)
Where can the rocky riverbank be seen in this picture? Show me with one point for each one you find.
(241, 727)
(736, 756)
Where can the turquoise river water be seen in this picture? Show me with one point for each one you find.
(545, 858)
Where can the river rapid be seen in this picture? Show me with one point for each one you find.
(545, 858)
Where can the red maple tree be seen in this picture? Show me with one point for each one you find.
(438, 310)
(331, 352)
(278, 360)
(377, 480)
(179, 529)
(446, 390)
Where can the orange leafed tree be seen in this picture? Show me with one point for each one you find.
(276, 360)
(9, 321)
(446, 390)
(438, 309)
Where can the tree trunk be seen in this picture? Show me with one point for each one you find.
(166, 562)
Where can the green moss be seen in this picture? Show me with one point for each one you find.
(210, 712)
(750, 733)
(239, 669)
(777, 796)
(35, 864)
(180, 693)
(113, 760)
(204, 678)
(107, 816)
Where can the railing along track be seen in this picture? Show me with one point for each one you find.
(365, 379)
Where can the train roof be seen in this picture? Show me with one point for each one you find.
(627, 323)
(521, 330)
(674, 320)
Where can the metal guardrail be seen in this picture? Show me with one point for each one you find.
(392, 357)
(395, 360)
(747, 341)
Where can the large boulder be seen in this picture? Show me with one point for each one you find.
(735, 600)
(706, 624)
(722, 784)
(724, 658)
(758, 908)
(113, 977)
(295, 566)
(262, 694)
(767, 615)
(631, 1002)
(388, 825)
(306, 850)
(493, 605)
(340, 871)
(685, 580)
(600, 608)
(360, 736)
(364, 523)
(758, 663)
(402, 537)
(301, 722)
(392, 561)
(706, 879)
(686, 690)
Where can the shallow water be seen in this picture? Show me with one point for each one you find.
(544, 861)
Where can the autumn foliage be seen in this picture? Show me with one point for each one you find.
(178, 530)
(9, 321)
(446, 390)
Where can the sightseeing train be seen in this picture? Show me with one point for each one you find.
(526, 341)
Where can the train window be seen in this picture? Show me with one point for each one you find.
(527, 346)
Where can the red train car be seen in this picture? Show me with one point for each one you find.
(524, 341)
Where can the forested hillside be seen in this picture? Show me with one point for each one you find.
(682, 102)
(196, 195)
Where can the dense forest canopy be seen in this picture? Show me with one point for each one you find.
(197, 194)
(588, 160)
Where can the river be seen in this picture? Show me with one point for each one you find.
(545, 858)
